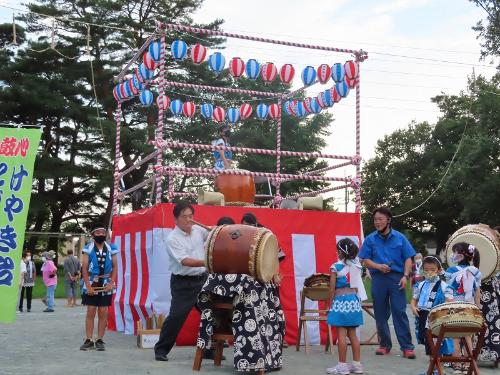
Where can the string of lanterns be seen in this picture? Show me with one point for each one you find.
(344, 75)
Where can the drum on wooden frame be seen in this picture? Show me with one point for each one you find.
(456, 315)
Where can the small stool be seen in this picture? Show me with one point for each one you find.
(223, 314)
(315, 293)
(471, 354)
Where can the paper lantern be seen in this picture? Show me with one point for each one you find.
(146, 98)
(324, 72)
(300, 110)
(137, 84)
(163, 101)
(262, 111)
(148, 61)
(116, 93)
(219, 114)
(179, 49)
(287, 72)
(176, 107)
(285, 107)
(307, 104)
(338, 72)
(233, 115)
(236, 67)
(216, 62)
(292, 107)
(351, 82)
(308, 75)
(351, 69)
(131, 87)
(327, 98)
(342, 88)
(321, 100)
(274, 111)
(198, 53)
(252, 69)
(268, 72)
(335, 95)
(314, 106)
(188, 109)
(245, 111)
(143, 73)
(155, 50)
(207, 110)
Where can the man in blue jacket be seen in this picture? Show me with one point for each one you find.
(388, 254)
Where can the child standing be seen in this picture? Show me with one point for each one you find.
(428, 293)
(465, 281)
(346, 294)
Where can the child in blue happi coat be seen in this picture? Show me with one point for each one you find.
(346, 293)
(430, 292)
(465, 280)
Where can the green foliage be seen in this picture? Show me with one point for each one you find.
(489, 29)
(410, 163)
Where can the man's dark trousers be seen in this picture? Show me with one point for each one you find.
(184, 290)
(387, 299)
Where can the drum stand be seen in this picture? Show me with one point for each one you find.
(436, 359)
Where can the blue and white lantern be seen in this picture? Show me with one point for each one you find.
(328, 98)
(262, 111)
(136, 83)
(285, 107)
(179, 49)
(155, 50)
(207, 110)
(308, 75)
(176, 107)
(216, 62)
(314, 105)
(252, 69)
(145, 73)
(342, 88)
(233, 115)
(300, 110)
(338, 72)
(146, 98)
(128, 90)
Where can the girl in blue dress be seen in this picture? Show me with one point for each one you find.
(345, 313)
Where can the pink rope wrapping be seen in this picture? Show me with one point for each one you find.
(358, 146)
(118, 119)
(209, 172)
(244, 150)
(221, 89)
(277, 197)
(198, 30)
(159, 128)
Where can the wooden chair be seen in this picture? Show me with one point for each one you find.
(471, 354)
(317, 293)
(223, 311)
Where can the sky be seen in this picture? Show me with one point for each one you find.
(417, 49)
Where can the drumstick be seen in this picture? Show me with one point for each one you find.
(201, 225)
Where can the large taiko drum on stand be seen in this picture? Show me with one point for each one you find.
(486, 241)
(242, 249)
(456, 315)
(236, 188)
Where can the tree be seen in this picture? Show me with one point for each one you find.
(409, 164)
(489, 29)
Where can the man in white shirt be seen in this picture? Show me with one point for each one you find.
(185, 246)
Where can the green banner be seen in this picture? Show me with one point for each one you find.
(18, 149)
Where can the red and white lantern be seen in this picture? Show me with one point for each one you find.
(274, 111)
(287, 72)
(245, 111)
(163, 102)
(198, 53)
(324, 72)
(219, 114)
(236, 67)
(188, 109)
(268, 72)
(351, 69)
(148, 61)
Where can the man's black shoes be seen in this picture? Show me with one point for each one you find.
(161, 357)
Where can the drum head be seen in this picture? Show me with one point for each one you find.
(267, 256)
(487, 243)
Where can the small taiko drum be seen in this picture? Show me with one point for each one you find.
(317, 280)
(457, 315)
(242, 249)
(236, 188)
(486, 241)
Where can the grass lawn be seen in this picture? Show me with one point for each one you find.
(40, 291)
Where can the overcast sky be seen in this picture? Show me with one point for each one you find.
(417, 49)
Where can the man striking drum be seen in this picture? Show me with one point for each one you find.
(186, 253)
